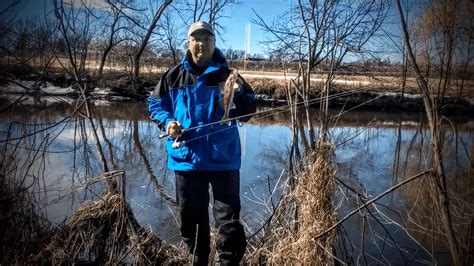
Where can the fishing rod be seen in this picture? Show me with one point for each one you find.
(178, 144)
(205, 125)
(282, 108)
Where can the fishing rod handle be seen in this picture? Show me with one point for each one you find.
(163, 135)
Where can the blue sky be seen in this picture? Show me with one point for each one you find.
(242, 15)
(234, 22)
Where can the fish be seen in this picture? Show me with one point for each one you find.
(227, 102)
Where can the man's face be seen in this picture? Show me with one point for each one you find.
(201, 45)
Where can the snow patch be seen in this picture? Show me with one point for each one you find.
(101, 102)
(406, 95)
(20, 86)
(50, 89)
(119, 98)
(16, 88)
(43, 100)
(98, 92)
(403, 123)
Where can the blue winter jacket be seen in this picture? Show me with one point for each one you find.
(183, 95)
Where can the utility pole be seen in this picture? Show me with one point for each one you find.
(247, 44)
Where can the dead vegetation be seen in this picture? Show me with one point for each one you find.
(291, 236)
(106, 231)
(100, 231)
(23, 230)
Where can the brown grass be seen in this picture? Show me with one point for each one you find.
(304, 213)
(105, 231)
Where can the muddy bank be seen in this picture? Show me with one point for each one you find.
(268, 92)
(389, 102)
(111, 87)
(373, 97)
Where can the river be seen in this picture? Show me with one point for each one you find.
(373, 151)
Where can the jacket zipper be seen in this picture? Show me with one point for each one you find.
(185, 99)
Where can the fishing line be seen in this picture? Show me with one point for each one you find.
(178, 144)
(281, 109)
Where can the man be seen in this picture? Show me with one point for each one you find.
(189, 95)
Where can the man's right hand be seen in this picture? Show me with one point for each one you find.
(174, 129)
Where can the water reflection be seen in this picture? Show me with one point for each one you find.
(373, 152)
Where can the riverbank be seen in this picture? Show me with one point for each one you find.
(364, 93)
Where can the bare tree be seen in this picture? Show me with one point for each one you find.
(172, 41)
(146, 38)
(141, 34)
(443, 42)
(323, 32)
(116, 15)
(438, 174)
(66, 24)
(76, 30)
(8, 14)
(211, 11)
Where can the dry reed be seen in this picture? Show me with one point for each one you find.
(304, 213)
(23, 228)
(105, 231)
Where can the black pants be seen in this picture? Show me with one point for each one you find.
(192, 193)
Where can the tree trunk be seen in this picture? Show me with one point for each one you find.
(102, 62)
(143, 44)
(110, 45)
(438, 168)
